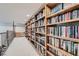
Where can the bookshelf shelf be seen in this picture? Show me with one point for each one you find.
(50, 53)
(40, 18)
(41, 45)
(69, 8)
(65, 38)
(55, 25)
(63, 22)
(40, 33)
(40, 26)
(62, 51)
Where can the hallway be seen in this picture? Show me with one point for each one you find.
(22, 46)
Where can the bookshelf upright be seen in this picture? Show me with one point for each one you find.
(54, 29)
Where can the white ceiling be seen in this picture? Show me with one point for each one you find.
(17, 12)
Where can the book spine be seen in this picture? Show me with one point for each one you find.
(66, 31)
(61, 44)
(69, 46)
(78, 50)
(73, 33)
(66, 46)
(75, 49)
(74, 14)
(72, 47)
(53, 41)
(78, 32)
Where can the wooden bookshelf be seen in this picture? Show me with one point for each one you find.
(41, 45)
(69, 8)
(62, 51)
(44, 14)
(40, 33)
(40, 18)
(50, 53)
(65, 38)
(65, 22)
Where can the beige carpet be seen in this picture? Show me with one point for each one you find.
(20, 46)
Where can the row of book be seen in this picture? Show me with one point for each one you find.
(41, 29)
(56, 52)
(65, 31)
(41, 40)
(40, 14)
(68, 46)
(64, 17)
(40, 23)
(41, 50)
(33, 34)
(60, 7)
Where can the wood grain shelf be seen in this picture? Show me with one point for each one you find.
(40, 18)
(65, 38)
(63, 22)
(70, 8)
(46, 11)
(62, 51)
(40, 26)
(40, 33)
(51, 54)
(40, 45)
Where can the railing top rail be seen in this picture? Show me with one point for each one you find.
(2, 32)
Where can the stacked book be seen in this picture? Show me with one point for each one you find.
(68, 46)
(65, 31)
(64, 17)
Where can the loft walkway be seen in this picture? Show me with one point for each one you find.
(20, 46)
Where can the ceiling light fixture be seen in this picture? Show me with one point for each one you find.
(27, 15)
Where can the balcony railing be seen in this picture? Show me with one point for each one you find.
(5, 40)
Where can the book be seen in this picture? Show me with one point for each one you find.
(60, 18)
(64, 31)
(75, 49)
(56, 19)
(53, 41)
(78, 50)
(63, 17)
(72, 48)
(56, 42)
(75, 14)
(57, 8)
(78, 32)
(49, 21)
(61, 43)
(53, 20)
(69, 46)
(39, 15)
(68, 31)
(67, 16)
(73, 33)
(50, 40)
(64, 45)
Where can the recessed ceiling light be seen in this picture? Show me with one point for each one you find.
(27, 15)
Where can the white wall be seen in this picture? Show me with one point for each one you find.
(19, 29)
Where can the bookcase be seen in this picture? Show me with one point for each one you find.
(54, 29)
